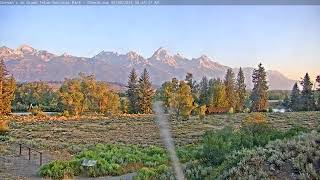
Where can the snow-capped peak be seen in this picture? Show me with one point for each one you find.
(204, 58)
(104, 54)
(66, 55)
(25, 49)
(161, 53)
(5, 51)
(133, 55)
(206, 62)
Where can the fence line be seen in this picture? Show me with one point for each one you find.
(29, 152)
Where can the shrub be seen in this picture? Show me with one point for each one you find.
(152, 173)
(225, 148)
(36, 111)
(217, 144)
(202, 111)
(65, 113)
(255, 118)
(57, 170)
(231, 110)
(297, 158)
(111, 160)
(145, 174)
(4, 127)
(18, 107)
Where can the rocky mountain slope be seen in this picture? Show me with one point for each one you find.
(29, 64)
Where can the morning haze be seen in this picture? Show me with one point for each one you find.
(283, 38)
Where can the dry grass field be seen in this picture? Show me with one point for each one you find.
(64, 137)
(72, 134)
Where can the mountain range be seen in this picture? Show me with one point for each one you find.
(29, 64)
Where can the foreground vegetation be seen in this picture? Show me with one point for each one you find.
(111, 160)
(217, 153)
(298, 158)
(197, 139)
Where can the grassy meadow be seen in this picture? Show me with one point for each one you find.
(58, 133)
(70, 138)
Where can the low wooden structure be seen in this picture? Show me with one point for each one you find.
(216, 110)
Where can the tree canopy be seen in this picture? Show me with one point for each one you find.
(7, 89)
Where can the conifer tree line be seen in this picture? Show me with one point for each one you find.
(306, 99)
(140, 93)
(216, 95)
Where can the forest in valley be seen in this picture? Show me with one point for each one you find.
(183, 98)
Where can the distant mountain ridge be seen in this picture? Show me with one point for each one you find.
(29, 64)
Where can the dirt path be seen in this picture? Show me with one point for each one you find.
(14, 166)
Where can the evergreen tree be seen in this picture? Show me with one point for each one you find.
(132, 92)
(145, 93)
(203, 94)
(307, 98)
(7, 88)
(229, 83)
(193, 85)
(295, 98)
(318, 91)
(190, 81)
(286, 102)
(259, 96)
(240, 91)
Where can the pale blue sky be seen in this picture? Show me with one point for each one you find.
(284, 38)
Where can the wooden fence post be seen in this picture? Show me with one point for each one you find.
(40, 158)
(29, 152)
(20, 149)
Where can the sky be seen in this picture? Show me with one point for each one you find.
(283, 38)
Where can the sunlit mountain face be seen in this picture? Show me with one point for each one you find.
(29, 64)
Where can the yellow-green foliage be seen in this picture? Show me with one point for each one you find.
(71, 97)
(7, 89)
(113, 104)
(167, 90)
(35, 93)
(229, 83)
(218, 96)
(181, 102)
(124, 105)
(255, 118)
(36, 111)
(4, 127)
(85, 93)
(202, 111)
